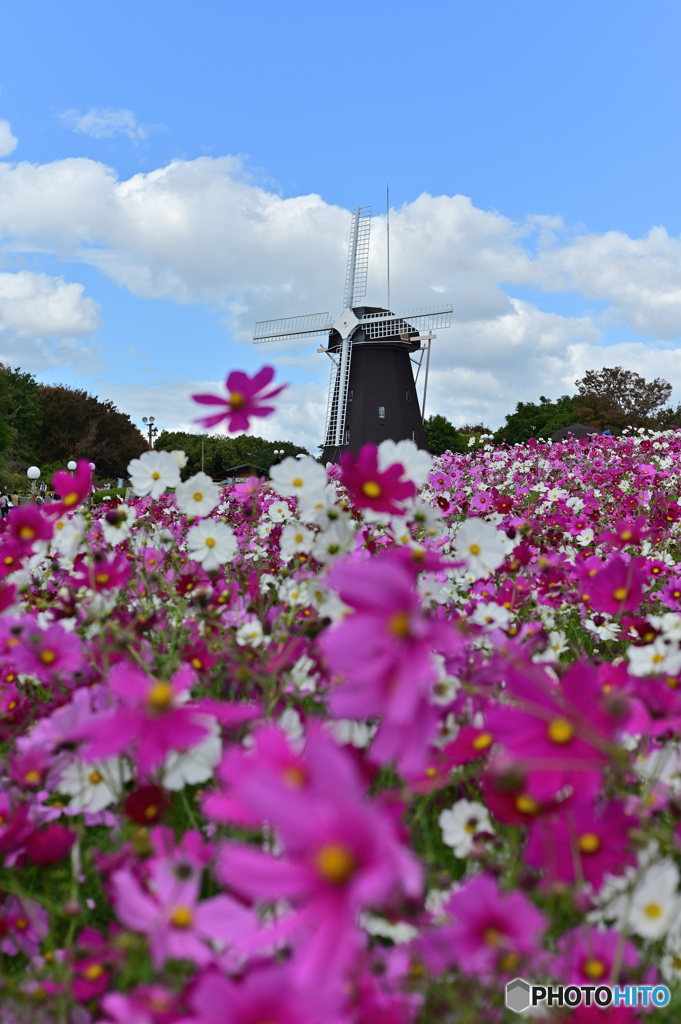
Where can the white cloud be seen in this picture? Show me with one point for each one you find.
(200, 231)
(104, 122)
(8, 143)
(44, 322)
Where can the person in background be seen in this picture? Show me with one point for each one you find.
(15, 497)
(4, 504)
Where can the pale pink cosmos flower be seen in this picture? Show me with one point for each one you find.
(245, 398)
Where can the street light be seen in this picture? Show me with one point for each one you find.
(73, 466)
(152, 430)
(33, 474)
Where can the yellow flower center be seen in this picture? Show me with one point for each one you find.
(398, 625)
(71, 499)
(210, 542)
(8, 560)
(657, 658)
(160, 696)
(102, 577)
(492, 937)
(237, 400)
(182, 917)
(620, 593)
(509, 962)
(589, 842)
(198, 496)
(27, 533)
(652, 910)
(676, 963)
(471, 826)
(594, 969)
(47, 656)
(32, 777)
(625, 534)
(474, 549)
(297, 482)
(525, 804)
(371, 489)
(196, 662)
(335, 863)
(560, 731)
(155, 475)
(94, 971)
(21, 923)
(95, 778)
(483, 741)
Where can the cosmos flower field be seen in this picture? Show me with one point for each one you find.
(355, 745)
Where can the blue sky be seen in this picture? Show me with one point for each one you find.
(184, 169)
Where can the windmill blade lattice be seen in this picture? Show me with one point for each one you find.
(293, 326)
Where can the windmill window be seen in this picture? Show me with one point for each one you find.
(408, 396)
(381, 412)
(347, 437)
(350, 395)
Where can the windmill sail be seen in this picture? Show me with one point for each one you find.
(382, 325)
(293, 326)
(358, 257)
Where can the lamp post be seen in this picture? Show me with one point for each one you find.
(278, 452)
(92, 485)
(72, 466)
(33, 474)
(151, 429)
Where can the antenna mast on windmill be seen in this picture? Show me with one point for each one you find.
(372, 391)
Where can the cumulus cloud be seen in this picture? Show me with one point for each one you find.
(202, 231)
(44, 321)
(8, 143)
(104, 122)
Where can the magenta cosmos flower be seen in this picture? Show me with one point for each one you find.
(72, 489)
(49, 653)
(152, 718)
(26, 524)
(578, 844)
(267, 994)
(341, 854)
(245, 398)
(617, 587)
(369, 487)
(383, 655)
(588, 956)
(489, 931)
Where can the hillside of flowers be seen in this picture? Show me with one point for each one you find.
(355, 745)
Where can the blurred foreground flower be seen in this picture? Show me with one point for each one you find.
(244, 400)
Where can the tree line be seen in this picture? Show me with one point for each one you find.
(47, 425)
(216, 453)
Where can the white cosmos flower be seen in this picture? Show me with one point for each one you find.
(69, 536)
(481, 546)
(152, 473)
(654, 659)
(197, 496)
(655, 901)
(189, 767)
(279, 511)
(211, 544)
(320, 507)
(115, 532)
(304, 479)
(492, 615)
(95, 785)
(249, 634)
(295, 538)
(417, 463)
(462, 823)
(336, 541)
(180, 458)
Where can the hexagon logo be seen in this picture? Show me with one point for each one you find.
(517, 995)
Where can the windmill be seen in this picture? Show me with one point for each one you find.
(372, 391)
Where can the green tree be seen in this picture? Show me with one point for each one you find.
(614, 398)
(77, 425)
(21, 415)
(221, 453)
(532, 419)
(442, 436)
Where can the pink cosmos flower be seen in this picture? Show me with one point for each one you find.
(617, 587)
(558, 736)
(153, 718)
(23, 926)
(383, 654)
(577, 844)
(26, 524)
(368, 487)
(588, 956)
(489, 931)
(267, 994)
(246, 395)
(72, 489)
(47, 846)
(145, 1004)
(105, 572)
(341, 854)
(48, 654)
(169, 912)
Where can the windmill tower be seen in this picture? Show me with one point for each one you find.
(372, 391)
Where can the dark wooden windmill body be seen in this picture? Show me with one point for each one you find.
(372, 391)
